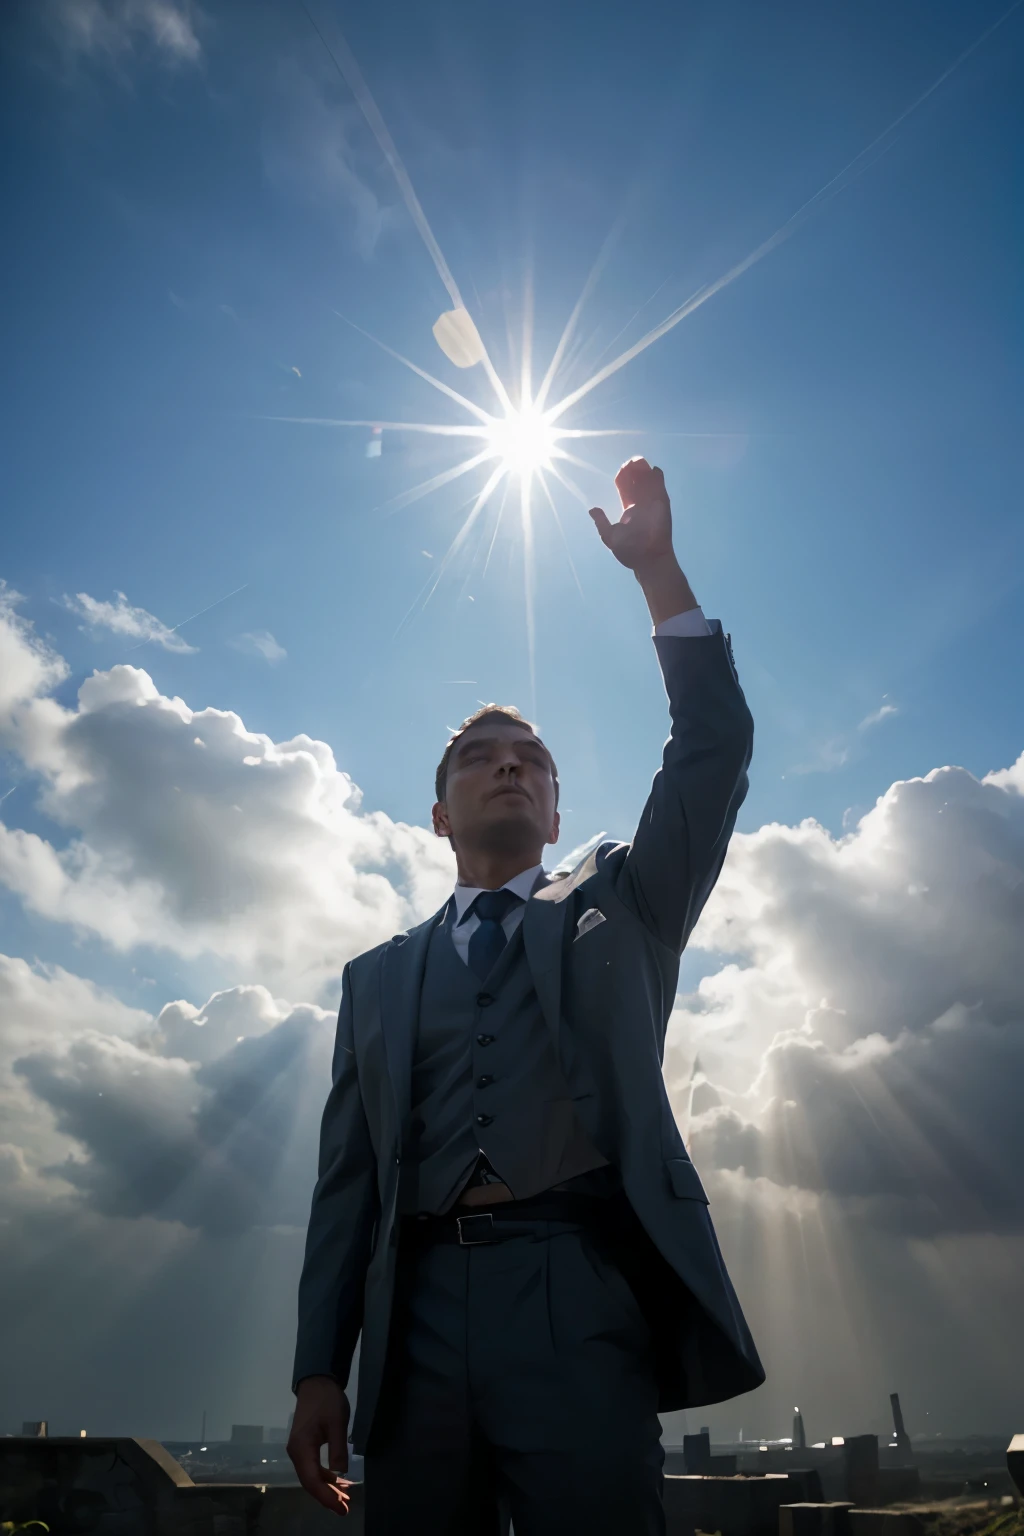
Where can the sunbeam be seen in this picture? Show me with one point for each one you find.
(524, 440)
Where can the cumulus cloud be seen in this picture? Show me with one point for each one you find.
(206, 1116)
(112, 29)
(185, 831)
(223, 1138)
(260, 642)
(46, 1007)
(867, 1041)
(28, 667)
(122, 618)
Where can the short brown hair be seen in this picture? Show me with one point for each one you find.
(486, 712)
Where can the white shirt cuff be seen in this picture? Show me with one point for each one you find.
(685, 626)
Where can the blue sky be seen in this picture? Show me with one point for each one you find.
(193, 197)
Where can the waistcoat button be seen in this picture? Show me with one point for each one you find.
(484, 1119)
(485, 1081)
(484, 999)
(485, 1039)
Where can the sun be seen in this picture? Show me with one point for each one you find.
(523, 441)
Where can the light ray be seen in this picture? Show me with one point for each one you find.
(436, 428)
(350, 72)
(446, 389)
(592, 431)
(460, 538)
(573, 320)
(526, 519)
(526, 363)
(558, 524)
(417, 492)
(573, 458)
(570, 486)
(497, 525)
(838, 183)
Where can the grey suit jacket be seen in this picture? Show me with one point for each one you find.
(606, 995)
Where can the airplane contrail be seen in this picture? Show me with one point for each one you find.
(175, 627)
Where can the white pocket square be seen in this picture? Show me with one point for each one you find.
(592, 918)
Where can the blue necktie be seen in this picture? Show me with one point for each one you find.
(488, 940)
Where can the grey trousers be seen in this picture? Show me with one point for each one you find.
(520, 1379)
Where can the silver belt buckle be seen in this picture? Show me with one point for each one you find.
(475, 1229)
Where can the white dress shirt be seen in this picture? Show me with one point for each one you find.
(689, 625)
(686, 626)
(465, 895)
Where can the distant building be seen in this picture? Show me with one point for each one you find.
(799, 1435)
(247, 1434)
(36, 1428)
(902, 1439)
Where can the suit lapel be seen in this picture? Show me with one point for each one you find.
(401, 982)
(543, 928)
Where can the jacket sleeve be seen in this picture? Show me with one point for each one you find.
(341, 1223)
(676, 855)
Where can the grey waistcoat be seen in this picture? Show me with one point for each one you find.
(485, 1079)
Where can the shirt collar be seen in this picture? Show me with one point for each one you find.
(522, 885)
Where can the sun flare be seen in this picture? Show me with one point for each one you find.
(523, 441)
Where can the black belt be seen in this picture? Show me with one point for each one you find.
(541, 1217)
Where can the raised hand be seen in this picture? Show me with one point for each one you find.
(641, 540)
(643, 534)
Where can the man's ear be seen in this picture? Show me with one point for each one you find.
(439, 817)
(556, 826)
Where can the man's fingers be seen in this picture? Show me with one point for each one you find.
(629, 479)
(337, 1445)
(317, 1480)
(601, 522)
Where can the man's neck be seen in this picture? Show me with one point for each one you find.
(486, 871)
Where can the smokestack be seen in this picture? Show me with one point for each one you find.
(899, 1428)
(799, 1437)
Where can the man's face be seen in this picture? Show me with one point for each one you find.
(500, 791)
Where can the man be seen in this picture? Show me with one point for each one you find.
(505, 1207)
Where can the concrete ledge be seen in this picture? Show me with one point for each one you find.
(735, 1506)
(814, 1519)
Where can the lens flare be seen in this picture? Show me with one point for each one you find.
(522, 441)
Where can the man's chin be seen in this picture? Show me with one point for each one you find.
(509, 831)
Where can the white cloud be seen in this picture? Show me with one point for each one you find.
(45, 1008)
(260, 642)
(122, 618)
(311, 151)
(883, 712)
(187, 832)
(837, 751)
(867, 1044)
(28, 667)
(221, 1138)
(113, 28)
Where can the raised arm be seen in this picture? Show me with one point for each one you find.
(681, 841)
